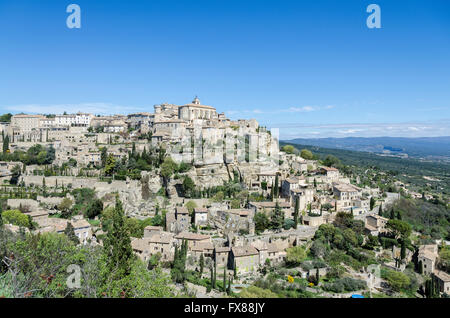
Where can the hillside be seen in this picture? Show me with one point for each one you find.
(424, 147)
(409, 170)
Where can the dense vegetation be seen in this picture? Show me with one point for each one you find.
(408, 170)
(36, 265)
(432, 220)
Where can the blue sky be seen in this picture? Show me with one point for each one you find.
(310, 68)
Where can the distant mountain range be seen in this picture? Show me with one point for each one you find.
(421, 147)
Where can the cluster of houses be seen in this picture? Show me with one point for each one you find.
(217, 148)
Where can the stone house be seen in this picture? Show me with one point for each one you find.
(375, 224)
(346, 192)
(443, 280)
(150, 230)
(315, 220)
(221, 255)
(158, 242)
(244, 258)
(193, 239)
(200, 216)
(427, 256)
(269, 207)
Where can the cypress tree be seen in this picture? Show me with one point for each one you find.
(212, 277)
(229, 287)
(372, 203)
(117, 245)
(224, 279)
(380, 210)
(215, 277)
(70, 233)
(6, 144)
(276, 191)
(317, 276)
(277, 217)
(403, 250)
(202, 264)
(392, 216)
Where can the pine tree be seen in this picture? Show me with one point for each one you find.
(296, 211)
(117, 245)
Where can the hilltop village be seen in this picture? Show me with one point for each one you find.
(215, 204)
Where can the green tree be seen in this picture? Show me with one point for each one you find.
(372, 203)
(168, 167)
(306, 154)
(331, 160)
(70, 232)
(64, 207)
(392, 214)
(15, 174)
(276, 189)
(289, 149)
(295, 255)
(6, 144)
(202, 264)
(94, 209)
(397, 280)
(190, 206)
(117, 246)
(103, 156)
(188, 186)
(224, 280)
(403, 250)
(15, 217)
(277, 218)
(110, 166)
(399, 229)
